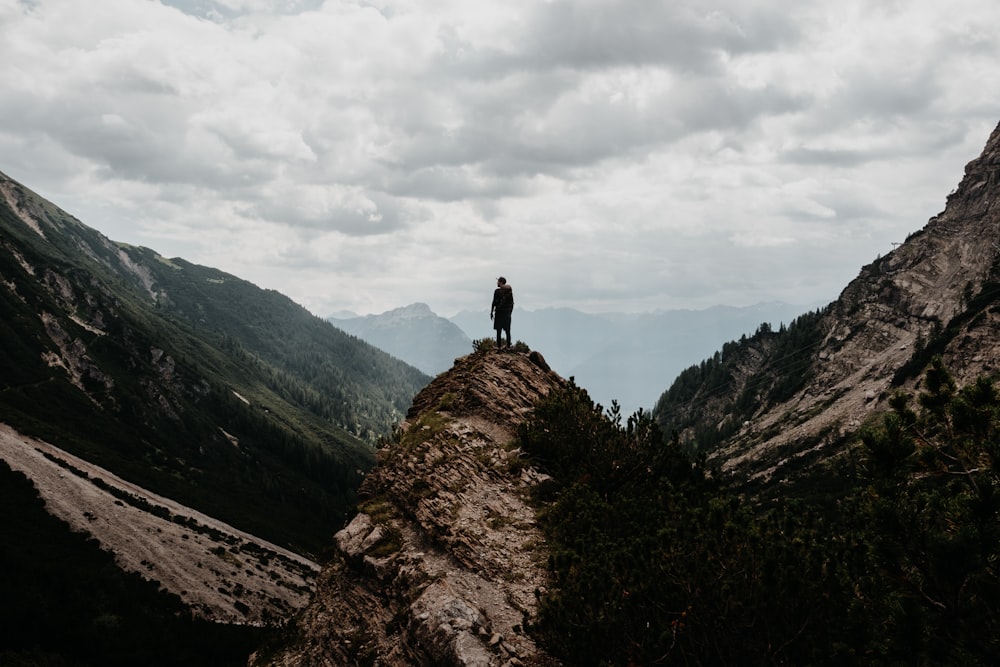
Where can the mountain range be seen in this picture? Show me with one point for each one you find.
(185, 379)
(412, 333)
(623, 357)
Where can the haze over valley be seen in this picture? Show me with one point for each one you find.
(615, 356)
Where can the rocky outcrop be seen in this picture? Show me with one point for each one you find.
(442, 564)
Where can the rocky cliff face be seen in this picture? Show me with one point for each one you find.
(937, 293)
(441, 565)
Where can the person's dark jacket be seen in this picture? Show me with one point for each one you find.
(503, 299)
(503, 305)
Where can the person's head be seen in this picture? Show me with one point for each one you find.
(501, 281)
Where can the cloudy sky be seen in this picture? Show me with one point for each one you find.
(623, 155)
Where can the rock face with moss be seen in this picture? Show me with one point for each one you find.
(443, 561)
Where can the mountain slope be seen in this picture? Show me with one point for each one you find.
(185, 380)
(67, 603)
(783, 400)
(218, 572)
(412, 333)
(648, 347)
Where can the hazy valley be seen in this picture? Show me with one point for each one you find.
(617, 356)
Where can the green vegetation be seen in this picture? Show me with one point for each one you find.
(655, 562)
(66, 603)
(781, 363)
(489, 345)
(932, 496)
(189, 381)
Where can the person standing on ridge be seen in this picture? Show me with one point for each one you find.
(502, 306)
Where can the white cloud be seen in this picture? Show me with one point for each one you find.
(602, 155)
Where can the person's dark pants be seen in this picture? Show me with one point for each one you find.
(502, 324)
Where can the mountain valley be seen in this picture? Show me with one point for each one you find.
(787, 499)
(821, 488)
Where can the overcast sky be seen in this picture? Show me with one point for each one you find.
(626, 155)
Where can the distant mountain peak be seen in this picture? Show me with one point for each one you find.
(415, 309)
(412, 333)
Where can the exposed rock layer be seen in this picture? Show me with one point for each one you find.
(442, 565)
(937, 289)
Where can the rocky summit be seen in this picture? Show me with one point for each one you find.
(442, 564)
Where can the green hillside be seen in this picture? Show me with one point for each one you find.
(187, 380)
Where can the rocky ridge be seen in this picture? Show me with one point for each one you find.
(442, 563)
(937, 291)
